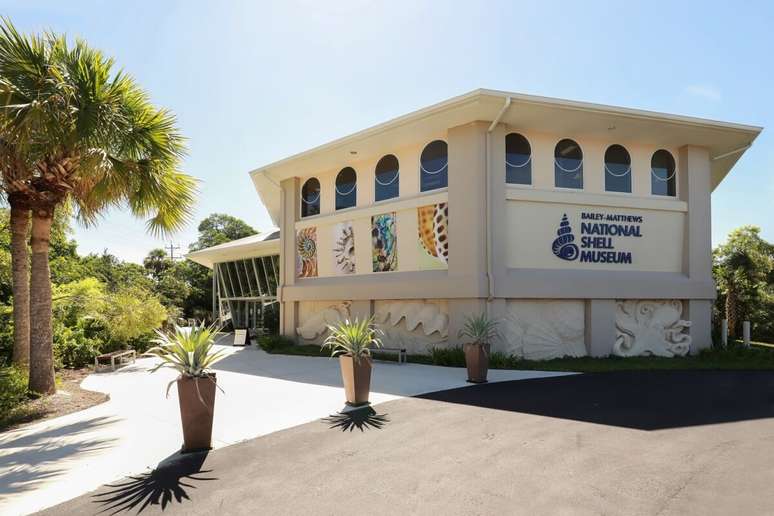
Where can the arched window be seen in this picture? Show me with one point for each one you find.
(346, 188)
(434, 165)
(310, 197)
(618, 169)
(386, 178)
(568, 165)
(662, 174)
(518, 160)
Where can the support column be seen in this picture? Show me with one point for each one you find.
(289, 210)
(600, 326)
(467, 228)
(695, 188)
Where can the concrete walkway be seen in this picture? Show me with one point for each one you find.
(46, 463)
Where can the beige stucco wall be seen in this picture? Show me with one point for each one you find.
(672, 259)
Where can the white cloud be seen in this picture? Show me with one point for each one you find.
(704, 91)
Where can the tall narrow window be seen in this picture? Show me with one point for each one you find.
(662, 174)
(518, 160)
(434, 165)
(310, 197)
(618, 170)
(346, 188)
(386, 178)
(568, 165)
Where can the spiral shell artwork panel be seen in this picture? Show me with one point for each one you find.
(384, 248)
(433, 227)
(343, 248)
(306, 253)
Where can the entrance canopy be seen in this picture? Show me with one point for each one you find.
(244, 279)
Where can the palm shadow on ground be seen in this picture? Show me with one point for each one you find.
(363, 419)
(643, 400)
(166, 484)
(30, 459)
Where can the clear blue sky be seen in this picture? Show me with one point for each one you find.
(252, 82)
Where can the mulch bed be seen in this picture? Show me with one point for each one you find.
(69, 397)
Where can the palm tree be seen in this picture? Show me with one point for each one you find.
(95, 142)
(742, 266)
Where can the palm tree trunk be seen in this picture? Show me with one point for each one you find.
(20, 224)
(41, 335)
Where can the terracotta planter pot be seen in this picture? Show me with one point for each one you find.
(357, 379)
(477, 361)
(195, 415)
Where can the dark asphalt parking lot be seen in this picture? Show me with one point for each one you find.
(699, 442)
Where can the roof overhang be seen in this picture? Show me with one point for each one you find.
(262, 244)
(527, 112)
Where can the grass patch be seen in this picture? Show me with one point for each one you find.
(735, 357)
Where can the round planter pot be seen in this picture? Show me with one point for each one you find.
(196, 414)
(357, 379)
(477, 361)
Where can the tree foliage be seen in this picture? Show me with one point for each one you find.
(743, 267)
(219, 228)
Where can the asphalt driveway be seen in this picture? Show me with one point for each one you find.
(616, 443)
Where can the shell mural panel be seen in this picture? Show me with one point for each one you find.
(433, 227)
(384, 248)
(306, 253)
(344, 248)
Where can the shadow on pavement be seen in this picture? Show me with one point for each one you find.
(644, 400)
(166, 483)
(363, 419)
(31, 458)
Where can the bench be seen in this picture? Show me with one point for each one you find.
(116, 357)
(401, 352)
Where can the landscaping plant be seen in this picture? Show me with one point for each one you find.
(189, 350)
(481, 330)
(352, 342)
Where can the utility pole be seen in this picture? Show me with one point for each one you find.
(172, 248)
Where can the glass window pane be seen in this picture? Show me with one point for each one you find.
(662, 174)
(386, 178)
(434, 165)
(618, 170)
(346, 188)
(568, 165)
(310, 197)
(518, 160)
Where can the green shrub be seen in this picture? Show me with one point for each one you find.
(72, 348)
(6, 334)
(275, 343)
(450, 357)
(13, 389)
(132, 313)
(499, 360)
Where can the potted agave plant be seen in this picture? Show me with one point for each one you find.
(352, 342)
(481, 330)
(189, 350)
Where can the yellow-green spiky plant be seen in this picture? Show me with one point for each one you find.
(188, 350)
(355, 338)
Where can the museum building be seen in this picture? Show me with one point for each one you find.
(582, 229)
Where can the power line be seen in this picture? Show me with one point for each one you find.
(172, 248)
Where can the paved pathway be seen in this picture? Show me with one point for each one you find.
(51, 461)
(641, 443)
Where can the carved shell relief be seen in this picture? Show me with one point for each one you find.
(651, 327)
